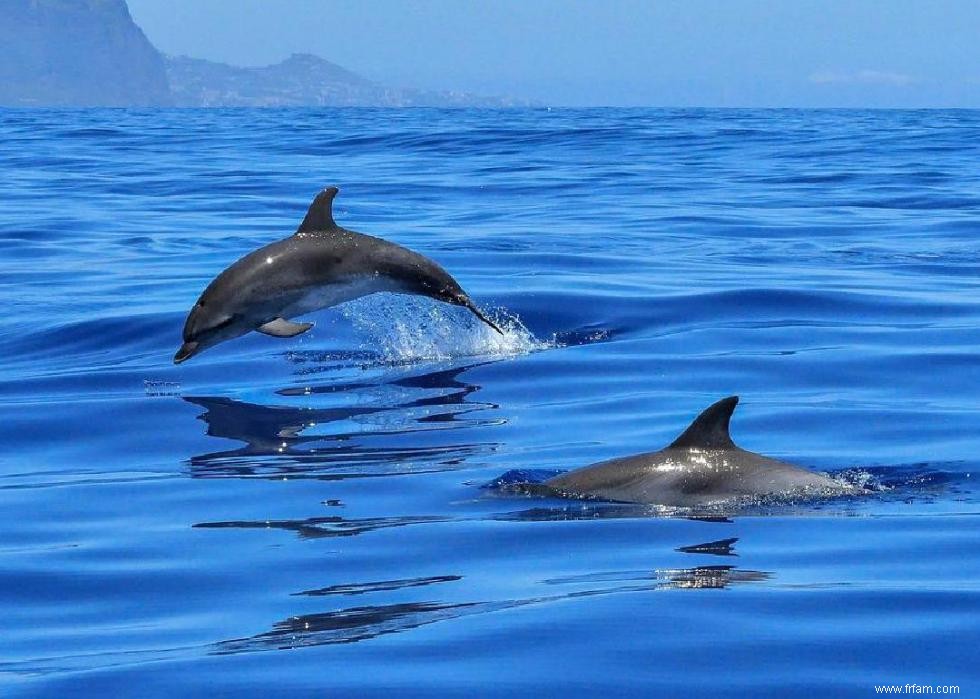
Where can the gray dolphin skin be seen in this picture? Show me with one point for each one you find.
(321, 265)
(701, 467)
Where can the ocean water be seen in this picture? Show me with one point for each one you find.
(308, 517)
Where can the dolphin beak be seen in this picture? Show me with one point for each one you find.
(186, 351)
(479, 314)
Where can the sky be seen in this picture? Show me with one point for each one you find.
(751, 53)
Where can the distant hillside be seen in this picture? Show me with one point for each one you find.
(90, 53)
(77, 53)
(302, 79)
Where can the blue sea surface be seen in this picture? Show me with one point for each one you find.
(308, 517)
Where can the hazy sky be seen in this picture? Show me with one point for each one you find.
(617, 52)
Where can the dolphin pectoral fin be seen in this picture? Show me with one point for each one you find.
(280, 327)
(320, 215)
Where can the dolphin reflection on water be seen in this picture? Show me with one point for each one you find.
(352, 624)
(377, 434)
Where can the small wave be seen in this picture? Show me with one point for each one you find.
(402, 329)
(905, 479)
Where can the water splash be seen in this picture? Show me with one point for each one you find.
(402, 329)
(908, 479)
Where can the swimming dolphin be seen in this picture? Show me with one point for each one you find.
(701, 467)
(321, 265)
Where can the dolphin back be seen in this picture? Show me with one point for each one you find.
(406, 269)
(702, 466)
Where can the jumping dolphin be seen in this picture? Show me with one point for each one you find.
(701, 467)
(321, 265)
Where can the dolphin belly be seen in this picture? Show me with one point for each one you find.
(337, 292)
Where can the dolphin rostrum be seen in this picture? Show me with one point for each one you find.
(321, 265)
(701, 467)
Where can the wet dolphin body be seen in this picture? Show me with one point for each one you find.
(321, 265)
(701, 467)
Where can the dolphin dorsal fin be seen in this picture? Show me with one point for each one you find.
(320, 215)
(710, 429)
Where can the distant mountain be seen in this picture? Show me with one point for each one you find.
(302, 79)
(77, 53)
(90, 53)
